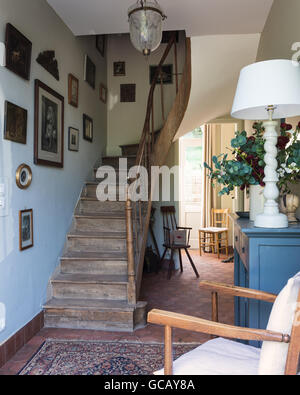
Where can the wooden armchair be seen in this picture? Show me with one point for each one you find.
(174, 320)
(183, 243)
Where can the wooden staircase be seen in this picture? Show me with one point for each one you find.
(100, 273)
(91, 289)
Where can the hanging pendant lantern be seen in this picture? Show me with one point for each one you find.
(145, 19)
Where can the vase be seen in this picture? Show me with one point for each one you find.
(289, 204)
(257, 201)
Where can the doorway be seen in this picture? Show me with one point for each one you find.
(191, 167)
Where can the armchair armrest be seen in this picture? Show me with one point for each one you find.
(238, 291)
(181, 321)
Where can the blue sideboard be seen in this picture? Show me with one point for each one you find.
(264, 259)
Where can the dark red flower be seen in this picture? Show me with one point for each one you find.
(282, 142)
(251, 139)
(286, 126)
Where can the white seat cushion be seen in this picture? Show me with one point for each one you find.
(218, 357)
(274, 355)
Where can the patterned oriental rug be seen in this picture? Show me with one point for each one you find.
(63, 357)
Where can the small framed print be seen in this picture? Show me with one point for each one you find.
(26, 229)
(89, 72)
(166, 74)
(18, 52)
(49, 126)
(88, 128)
(128, 93)
(100, 43)
(15, 123)
(73, 139)
(103, 93)
(119, 69)
(23, 176)
(73, 90)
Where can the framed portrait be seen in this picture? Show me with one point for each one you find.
(88, 128)
(49, 126)
(25, 229)
(119, 69)
(73, 139)
(167, 74)
(103, 93)
(100, 43)
(73, 90)
(23, 176)
(15, 123)
(128, 93)
(18, 52)
(89, 72)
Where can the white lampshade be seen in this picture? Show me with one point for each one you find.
(271, 83)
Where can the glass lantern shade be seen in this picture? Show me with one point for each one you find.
(145, 19)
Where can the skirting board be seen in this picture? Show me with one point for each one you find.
(19, 339)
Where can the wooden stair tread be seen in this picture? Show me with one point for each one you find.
(89, 304)
(109, 215)
(90, 279)
(97, 235)
(95, 256)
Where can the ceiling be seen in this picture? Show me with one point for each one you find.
(197, 17)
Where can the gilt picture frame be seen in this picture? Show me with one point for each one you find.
(73, 91)
(49, 126)
(15, 123)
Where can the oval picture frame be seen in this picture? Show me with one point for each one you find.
(23, 176)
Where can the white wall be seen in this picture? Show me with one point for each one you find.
(53, 194)
(126, 120)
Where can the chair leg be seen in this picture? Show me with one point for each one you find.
(217, 245)
(171, 265)
(227, 243)
(200, 243)
(162, 258)
(192, 263)
(180, 259)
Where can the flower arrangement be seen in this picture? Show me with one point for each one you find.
(247, 167)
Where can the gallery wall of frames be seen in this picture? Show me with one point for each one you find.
(53, 122)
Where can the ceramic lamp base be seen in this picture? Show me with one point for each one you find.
(274, 221)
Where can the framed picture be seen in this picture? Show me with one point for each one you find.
(15, 123)
(100, 43)
(89, 72)
(167, 74)
(23, 176)
(73, 139)
(49, 126)
(25, 229)
(18, 52)
(103, 93)
(119, 69)
(128, 93)
(73, 90)
(88, 128)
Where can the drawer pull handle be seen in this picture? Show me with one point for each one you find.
(236, 238)
(243, 250)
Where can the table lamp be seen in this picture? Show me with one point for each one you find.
(266, 91)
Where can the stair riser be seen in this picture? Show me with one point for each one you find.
(93, 267)
(78, 244)
(100, 224)
(89, 291)
(53, 321)
(96, 207)
(128, 150)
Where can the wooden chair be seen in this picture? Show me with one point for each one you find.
(215, 236)
(174, 320)
(170, 226)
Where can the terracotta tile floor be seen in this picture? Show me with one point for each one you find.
(180, 294)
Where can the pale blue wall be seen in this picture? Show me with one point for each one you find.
(53, 194)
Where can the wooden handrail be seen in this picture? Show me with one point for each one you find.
(147, 155)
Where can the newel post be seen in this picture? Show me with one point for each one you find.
(131, 288)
